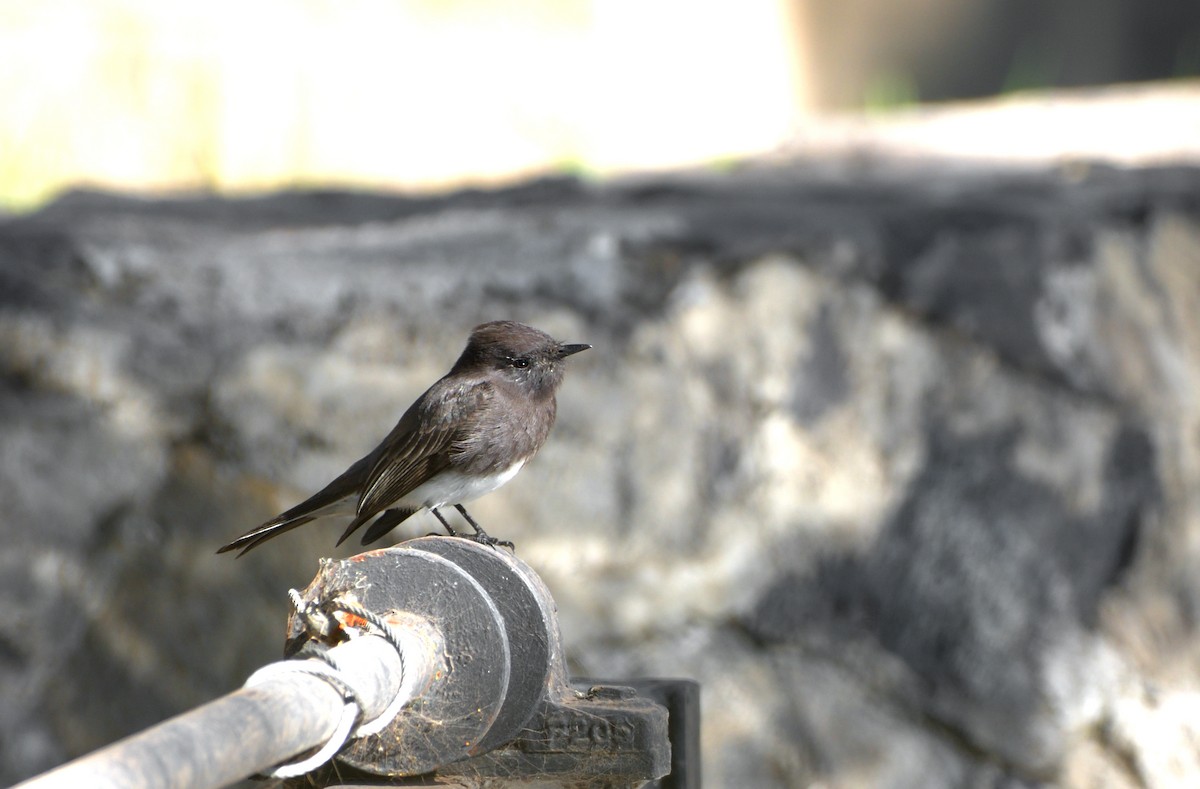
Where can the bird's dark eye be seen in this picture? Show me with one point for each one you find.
(519, 362)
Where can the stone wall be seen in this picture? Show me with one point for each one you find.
(902, 465)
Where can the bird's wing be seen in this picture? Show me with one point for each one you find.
(389, 520)
(420, 445)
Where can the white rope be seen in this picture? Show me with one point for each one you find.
(384, 629)
(351, 710)
(318, 666)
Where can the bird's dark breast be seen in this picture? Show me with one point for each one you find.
(506, 431)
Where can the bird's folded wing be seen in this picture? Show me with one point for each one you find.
(411, 456)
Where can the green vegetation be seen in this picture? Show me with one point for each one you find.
(890, 90)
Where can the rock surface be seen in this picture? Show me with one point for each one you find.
(903, 466)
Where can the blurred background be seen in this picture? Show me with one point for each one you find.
(136, 94)
(889, 436)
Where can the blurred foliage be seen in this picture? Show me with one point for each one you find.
(1033, 68)
(155, 95)
(1187, 56)
(151, 95)
(890, 90)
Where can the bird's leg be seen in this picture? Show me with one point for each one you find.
(438, 515)
(480, 536)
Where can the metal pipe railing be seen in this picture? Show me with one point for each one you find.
(440, 656)
(289, 709)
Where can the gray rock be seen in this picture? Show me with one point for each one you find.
(901, 467)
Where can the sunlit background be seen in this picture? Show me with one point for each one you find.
(153, 95)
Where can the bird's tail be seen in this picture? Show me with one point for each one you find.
(272, 528)
(338, 497)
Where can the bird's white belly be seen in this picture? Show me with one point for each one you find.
(452, 487)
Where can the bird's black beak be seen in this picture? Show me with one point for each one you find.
(567, 350)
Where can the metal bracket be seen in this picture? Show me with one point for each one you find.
(495, 702)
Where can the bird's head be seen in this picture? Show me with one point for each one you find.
(524, 355)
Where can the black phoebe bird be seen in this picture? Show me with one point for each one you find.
(470, 432)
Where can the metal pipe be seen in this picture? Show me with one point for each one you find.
(240, 734)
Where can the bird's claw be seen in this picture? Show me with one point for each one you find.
(483, 538)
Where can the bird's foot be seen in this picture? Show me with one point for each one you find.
(483, 538)
(480, 536)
